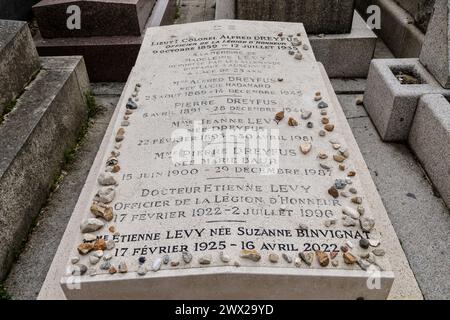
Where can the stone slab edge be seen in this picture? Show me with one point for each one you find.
(35, 135)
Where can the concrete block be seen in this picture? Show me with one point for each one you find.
(318, 16)
(402, 36)
(34, 136)
(19, 59)
(390, 104)
(435, 52)
(16, 9)
(430, 140)
(346, 55)
(98, 17)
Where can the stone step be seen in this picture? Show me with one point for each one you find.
(44, 124)
(19, 60)
(102, 53)
(97, 17)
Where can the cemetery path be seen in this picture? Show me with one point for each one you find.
(419, 218)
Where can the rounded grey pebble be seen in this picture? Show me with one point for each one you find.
(364, 243)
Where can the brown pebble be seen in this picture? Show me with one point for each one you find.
(175, 263)
(323, 156)
(112, 229)
(333, 255)
(116, 168)
(279, 116)
(325, 120)
(324, 259)
(357, 200)
(344, 248)
(100, 244)
(349, 258)
(329, 127)
(352, 174)
(292, 122)
(342, 167)
(333, 192)
(339, 158)
(85, 248)
(112, 270)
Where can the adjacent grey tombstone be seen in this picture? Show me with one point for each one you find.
(45, 108)
(435, 51)
(19, 60)
(318, 16)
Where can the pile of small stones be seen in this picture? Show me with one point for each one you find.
(354, 214)
(97, 249)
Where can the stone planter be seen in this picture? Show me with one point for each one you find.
(430, 140)
(390, 104)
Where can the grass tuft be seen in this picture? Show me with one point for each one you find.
(3, 293)
(8, 107)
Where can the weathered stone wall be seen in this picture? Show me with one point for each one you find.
(318, 16)
(421, 10)
(16, 9)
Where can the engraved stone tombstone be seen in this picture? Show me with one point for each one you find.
(204, 189)
(435, 53)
